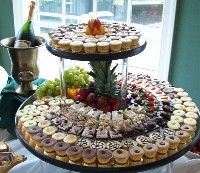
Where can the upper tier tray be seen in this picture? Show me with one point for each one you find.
(97, 56)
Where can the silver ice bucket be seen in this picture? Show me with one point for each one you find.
(24, 63)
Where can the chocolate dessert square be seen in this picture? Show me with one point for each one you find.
(76, 130)
(102, 133)
(115, 134)
(89, 132)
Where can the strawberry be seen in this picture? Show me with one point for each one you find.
(91, 24)
(107, 108)
(97, 23)
(102, 101)
(150, 103)
(116, 107)
(150, 97)
(83, 92)
(93, 105)
(91, 98)
(113, 101)
(79, 98)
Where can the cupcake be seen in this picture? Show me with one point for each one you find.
(173, 141)
(48, 144)
(44, 123)
(188, 129)
(28, 124)
(121, 156)
(183, 136)
(89, 155)
(23, 119)
(89, 47)
(59, 136)
(115, 45)
(136, 153)
(76, 46)
(38, 102)
(31, 131)
(134, 40)
(60, 148)
(104, 156)
(163, 146)
(47, 99)
(70, 139)
(126, 43)
(49, 131)
(150, 150)
(74, 153)
(64, 44)
(37, 138)
(103, 47)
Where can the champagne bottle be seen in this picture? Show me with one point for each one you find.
(26, 37)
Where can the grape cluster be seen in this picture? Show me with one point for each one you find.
(76, 77)
(49, 88)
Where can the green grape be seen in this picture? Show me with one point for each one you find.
(81, 75)
(56, 93)
(42, 88)
(82, 70)
(40, 93)
(77, 72)
(82, 82)
(76, 77)
(49, 92)
(51, 86)
(57, 88)
(76, 84)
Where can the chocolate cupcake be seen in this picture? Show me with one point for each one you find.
(37, 138)
(104, 156)
(89, 155)
(60, 148)
(48, 144)
(74, 153)
(31, 131)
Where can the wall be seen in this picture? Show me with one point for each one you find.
(185, 60)
(6, 30)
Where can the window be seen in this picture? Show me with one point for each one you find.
(155, 18)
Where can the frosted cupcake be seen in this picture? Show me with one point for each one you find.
(115, 45)
(103, 47)
(64, 44)
(126, 43)
(76, 46)
(89, 47)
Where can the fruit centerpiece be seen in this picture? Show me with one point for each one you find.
(95, 27)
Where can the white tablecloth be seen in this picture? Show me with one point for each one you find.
(35, 165)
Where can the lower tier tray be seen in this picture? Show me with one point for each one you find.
(146, 164)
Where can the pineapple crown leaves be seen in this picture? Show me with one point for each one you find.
(104, 78)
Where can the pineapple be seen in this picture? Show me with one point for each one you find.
(104, 79)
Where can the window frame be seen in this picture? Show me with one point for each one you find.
(168, 17)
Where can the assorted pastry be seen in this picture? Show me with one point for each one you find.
(95, 37)
(158, 120)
